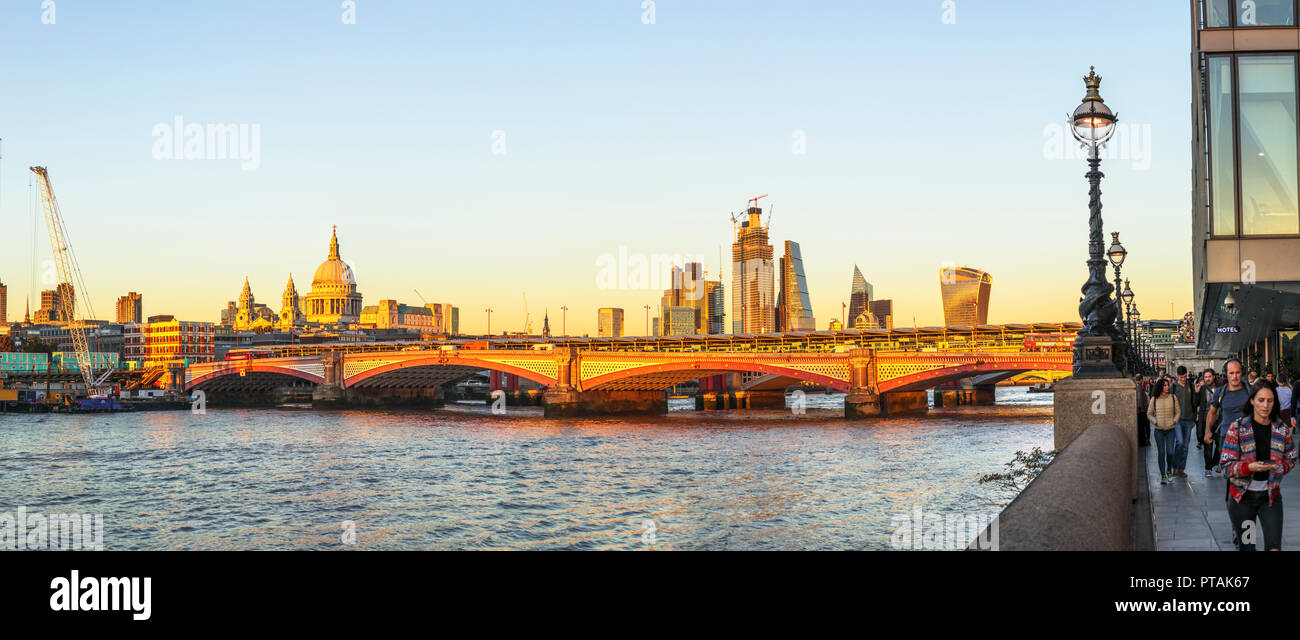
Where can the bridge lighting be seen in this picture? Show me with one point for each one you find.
(1127, 295)
(1101, 350)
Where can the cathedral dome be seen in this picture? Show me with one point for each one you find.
(334, 270)
(333, 299)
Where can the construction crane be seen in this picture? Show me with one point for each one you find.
(69, 272)
(528, 320)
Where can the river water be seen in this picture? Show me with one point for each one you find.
(463, 478)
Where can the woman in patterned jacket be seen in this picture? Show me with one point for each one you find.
(1257, 452)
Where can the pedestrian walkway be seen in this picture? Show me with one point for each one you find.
(1190, 514)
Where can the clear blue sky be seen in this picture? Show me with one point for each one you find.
(925, 144)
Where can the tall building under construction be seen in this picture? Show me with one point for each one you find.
(965, 292)
(753, 300)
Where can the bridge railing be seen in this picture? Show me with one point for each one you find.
(986, 337)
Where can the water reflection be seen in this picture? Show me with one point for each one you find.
(462, 478)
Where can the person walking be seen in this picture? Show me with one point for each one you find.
(1204, 395)
(1144, 424)
(1284, 399)
(1257, 452)
(1226, 406)
(1164, 412)
(1182, 392)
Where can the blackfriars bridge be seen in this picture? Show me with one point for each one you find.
(882, 372)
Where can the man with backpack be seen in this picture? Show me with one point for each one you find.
(1225, 407)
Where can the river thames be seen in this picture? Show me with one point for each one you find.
(463, 478)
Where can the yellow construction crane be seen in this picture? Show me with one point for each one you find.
(65, 262)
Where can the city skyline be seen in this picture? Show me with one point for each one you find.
(454, 212)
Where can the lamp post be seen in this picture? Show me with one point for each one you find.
(1137, 330)
(564, 319)
(1127, 297)
(1116, 253)
(1099, 350)
(489, 329)
(647, 320)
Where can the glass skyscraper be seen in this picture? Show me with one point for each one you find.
(794, 309)
(860, 296)
(965, 292)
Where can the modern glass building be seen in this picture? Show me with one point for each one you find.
(860, 295)
(753, 299)
(689, 289)
(883, 311)
(717, 314)
(1246, 179)
(609, 323)
(965, 293)
(793, 307)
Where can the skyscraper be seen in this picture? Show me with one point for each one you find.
(53, 303)
(860, 295)
(689, 289)
(4, 304)
(609, 323)
(753, 299)
(883, 311)
(130, 308)
(717, 315)
(794, 309)
(965, 293)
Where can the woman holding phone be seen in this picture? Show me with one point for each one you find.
(1257, 452)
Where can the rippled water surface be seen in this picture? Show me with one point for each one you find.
(462, 478)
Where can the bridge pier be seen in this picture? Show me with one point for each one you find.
(903, 402)
(335, 397)
(569, 403)
(979, 395)
(727, 400)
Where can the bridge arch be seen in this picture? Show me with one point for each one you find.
(437, 370)
(931, 378)
(255, 368)
(664, 375)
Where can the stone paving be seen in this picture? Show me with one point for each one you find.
(1190, 514)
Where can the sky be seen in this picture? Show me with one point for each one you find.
(483, 152)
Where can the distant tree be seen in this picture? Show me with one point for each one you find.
(1021, 471)
(36, 345)
(6, 344)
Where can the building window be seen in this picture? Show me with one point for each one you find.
(1265, 13)
(1267, 145)
(1218, 13)
(1222, 158)
(1224, 14)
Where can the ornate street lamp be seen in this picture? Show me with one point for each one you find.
(1137, 329)
(1127, 297)
(1099, 350)
(1116, 253)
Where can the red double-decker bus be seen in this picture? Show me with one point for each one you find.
(1050, 340)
